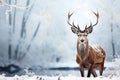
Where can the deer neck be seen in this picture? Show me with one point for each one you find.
(82, 49)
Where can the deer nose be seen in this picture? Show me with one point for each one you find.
(82, 40)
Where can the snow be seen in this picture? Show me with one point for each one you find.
(55, 44)
(69, 77)
(114, 74)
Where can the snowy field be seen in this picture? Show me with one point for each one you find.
(70, 77)
(112, 72)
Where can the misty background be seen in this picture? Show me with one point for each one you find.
(36, 33)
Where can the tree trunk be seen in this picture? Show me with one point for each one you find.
(112, 41)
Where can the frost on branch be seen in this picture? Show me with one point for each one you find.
(9, 7)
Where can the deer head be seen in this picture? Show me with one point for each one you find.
(82, 41)
(82, 34)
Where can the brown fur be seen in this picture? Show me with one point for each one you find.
(87, 56)
(94, 59)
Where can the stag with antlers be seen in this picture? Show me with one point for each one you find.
(88, 56)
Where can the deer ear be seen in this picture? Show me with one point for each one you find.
(74, 30)
(89, 30)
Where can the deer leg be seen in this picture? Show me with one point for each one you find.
(82, 70)
(101, 68)
(94, 73)
(90, 70)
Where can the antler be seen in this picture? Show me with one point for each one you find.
(92, 25)
(76, 29)
(97, 15)
(72, 25)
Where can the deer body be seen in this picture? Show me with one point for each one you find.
(94, 58)
(87, 56)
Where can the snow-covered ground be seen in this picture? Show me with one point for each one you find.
(57, 78)
(69, 77)
(112, 72)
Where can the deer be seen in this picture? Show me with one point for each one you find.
(88, 56)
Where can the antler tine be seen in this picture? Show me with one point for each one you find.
(85, 26)
(92, 25)
(78, 27)
(69, 16)
(73, 25)
(97, 15)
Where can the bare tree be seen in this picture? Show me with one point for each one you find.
(10, 35)
(17, 53)
(20, 54)
(112, 39)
